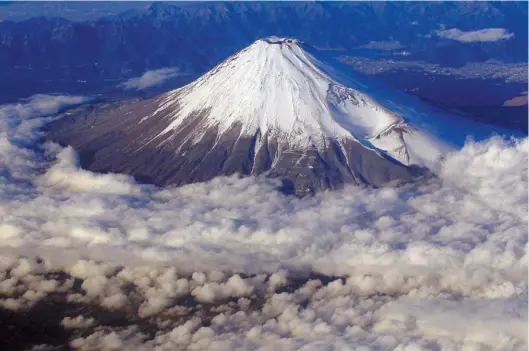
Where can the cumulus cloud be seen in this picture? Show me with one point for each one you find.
(20, 123)
(151, 78)
(374, 311)
(233, 264)
(211, 292)
(481, 35)
(66, 174)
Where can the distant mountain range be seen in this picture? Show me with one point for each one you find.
(43, 54)
(71, 10)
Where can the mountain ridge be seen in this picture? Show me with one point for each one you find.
(194, 37)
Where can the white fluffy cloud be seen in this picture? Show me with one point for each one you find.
(234, 265)
(151, 78)
(382, 312)
(481, 35)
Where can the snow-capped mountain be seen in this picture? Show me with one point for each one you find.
(278, 107)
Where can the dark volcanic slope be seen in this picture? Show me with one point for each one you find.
(112, 139)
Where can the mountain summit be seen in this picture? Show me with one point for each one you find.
(277, 107)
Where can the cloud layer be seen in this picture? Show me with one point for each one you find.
(234, 265)
(151, 78)
(481, 35)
